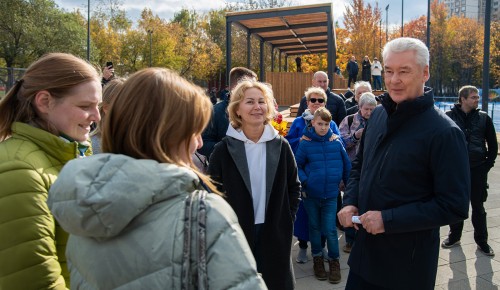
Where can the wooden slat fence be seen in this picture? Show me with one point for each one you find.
(289, 87)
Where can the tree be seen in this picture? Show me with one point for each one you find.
(362, 25)
(30, 29)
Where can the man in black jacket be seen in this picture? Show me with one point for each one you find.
(410, 176)
(334, 102)
(479, 132)
(352, 70)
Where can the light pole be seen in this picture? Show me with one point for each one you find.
(402, 10)
(429, 24)
(486, 57)
(150, 32)
(386, 23)
(88, 30)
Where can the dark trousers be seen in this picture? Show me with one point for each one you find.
(355, 282)
(303, 244)
(479, 193)
(351, 79)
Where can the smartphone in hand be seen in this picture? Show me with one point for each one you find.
(109, 64)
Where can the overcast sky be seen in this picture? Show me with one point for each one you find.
(166, 8)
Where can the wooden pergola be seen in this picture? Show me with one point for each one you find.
(292, 31)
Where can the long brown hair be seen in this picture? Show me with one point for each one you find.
(57, 73)
(154, 111)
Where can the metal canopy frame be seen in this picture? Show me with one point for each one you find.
(295, 30)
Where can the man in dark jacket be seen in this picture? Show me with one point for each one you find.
(479, 132)
(334, 102)
(217, 128)
(352, 69)
(410, 176)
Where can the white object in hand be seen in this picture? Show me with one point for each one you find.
(355, 219)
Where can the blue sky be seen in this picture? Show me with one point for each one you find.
(166, 8)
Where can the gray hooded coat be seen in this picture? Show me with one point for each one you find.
(125, 219)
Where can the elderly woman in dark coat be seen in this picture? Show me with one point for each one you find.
(258, 174)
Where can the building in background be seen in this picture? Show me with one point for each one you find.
(474, 9)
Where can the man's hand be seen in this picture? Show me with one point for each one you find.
(333, 137)
(372, 222)
(359, 133)
(304, 137)
(345, 216)
(108, 72)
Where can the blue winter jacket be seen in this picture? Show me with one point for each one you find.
(322, 165)
(297, 130)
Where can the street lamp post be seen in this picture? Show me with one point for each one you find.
(387, 23)
(402, 23)
(428, 24)
(150, 32)
(88, 30)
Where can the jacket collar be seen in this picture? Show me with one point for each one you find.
(311, 133)
(62, 150)
(399, 113)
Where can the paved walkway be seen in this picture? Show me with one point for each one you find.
(460, 268)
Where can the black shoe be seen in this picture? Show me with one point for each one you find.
(449, 244)
(486, 249)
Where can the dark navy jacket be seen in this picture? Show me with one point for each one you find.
(412, 165)
(216, 129)
(322, 165)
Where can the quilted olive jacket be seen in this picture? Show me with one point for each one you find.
(32, 245)
(125, 217)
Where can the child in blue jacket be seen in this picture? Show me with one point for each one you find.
(322, 165)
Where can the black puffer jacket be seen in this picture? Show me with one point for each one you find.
(478, 128)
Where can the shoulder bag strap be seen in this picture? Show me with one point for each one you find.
(195, 217)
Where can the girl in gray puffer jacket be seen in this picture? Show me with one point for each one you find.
(125, 210)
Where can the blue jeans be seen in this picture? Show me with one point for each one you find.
(377, 82)
(321, 213)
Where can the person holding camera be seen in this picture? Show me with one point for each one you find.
(377, 74)
(108, 72)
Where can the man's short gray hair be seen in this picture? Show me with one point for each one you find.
(320, 73)
(403, 44)
(367, 99)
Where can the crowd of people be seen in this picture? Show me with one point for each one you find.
(147, 183)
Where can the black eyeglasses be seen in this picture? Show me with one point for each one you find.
(313, 100)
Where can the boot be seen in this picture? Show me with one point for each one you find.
(334, 275)
(319, 268)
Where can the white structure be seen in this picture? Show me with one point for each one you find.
(472, 9)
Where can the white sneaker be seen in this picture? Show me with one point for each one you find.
(302, 256)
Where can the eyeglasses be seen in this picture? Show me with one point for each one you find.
(474, 97)
(313, 100)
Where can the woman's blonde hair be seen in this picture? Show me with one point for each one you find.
(314, 91)
(238, 94)
(108, 94)
(57, 73)
(154, 111)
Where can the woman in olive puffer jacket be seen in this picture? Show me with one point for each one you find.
(44, 122)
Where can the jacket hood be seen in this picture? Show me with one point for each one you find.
(311, 133)
(269, 134)
(98, 196)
